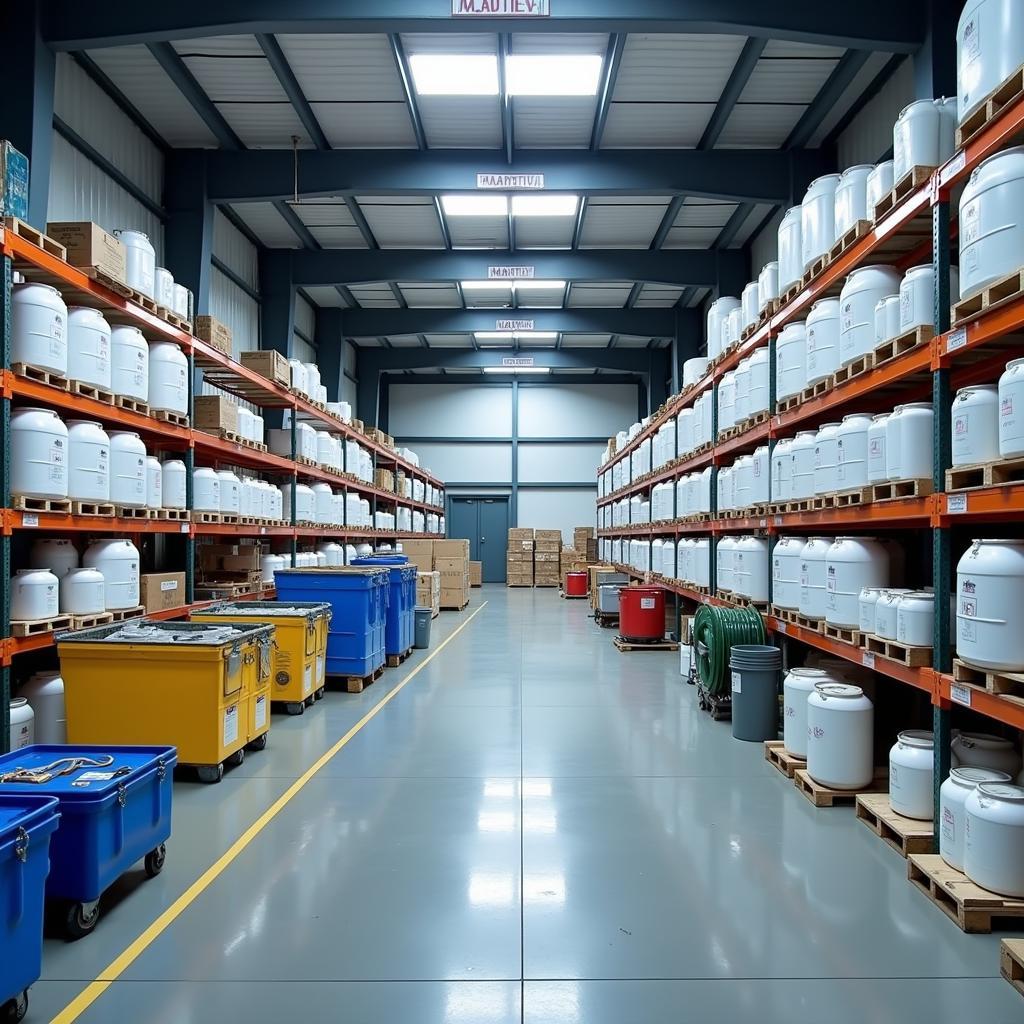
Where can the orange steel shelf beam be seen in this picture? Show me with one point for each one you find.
(1009, 710)
(58, 522)
(747, 441)
(983, 504)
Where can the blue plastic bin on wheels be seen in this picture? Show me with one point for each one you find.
(26, 825)
(115, 810)
(400, 629)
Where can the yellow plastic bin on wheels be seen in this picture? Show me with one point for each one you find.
(300, 645)
(192, 685)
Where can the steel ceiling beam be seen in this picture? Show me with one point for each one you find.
(741, 72)
(642, 323)
(380, 360)
(843, 74)
(612, 61)
(505, 101)
(878, 24)
(398, 52)
(286, 76)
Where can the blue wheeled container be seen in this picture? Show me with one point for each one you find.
(400, 628)
(115, 808)
(358, 596)
(26, 825)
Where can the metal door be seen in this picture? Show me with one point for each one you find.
(484, 522)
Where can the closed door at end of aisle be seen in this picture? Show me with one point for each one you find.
(484, 522)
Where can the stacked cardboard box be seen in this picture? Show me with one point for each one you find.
(420, 553)
(547, 558)
(595, 580)
(476, 574)
(162, 590)
(384, 479)
(519, 564)
(584, 541)
(428, 591)
(451, 560)
(572, 561)
(234, 566)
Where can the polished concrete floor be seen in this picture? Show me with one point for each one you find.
(536, 828)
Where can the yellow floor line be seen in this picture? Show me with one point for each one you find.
(121, 963)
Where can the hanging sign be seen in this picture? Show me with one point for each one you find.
(510, 273)
(514, 361)
(510, 182)
(514, 325)
(500, 8)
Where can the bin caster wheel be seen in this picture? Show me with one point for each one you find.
(260, 743)
(295, 707)
(210, 773)
(80, 920)
(235, 759)
(14, 1009)
(155, 860)
(319, 694)
(308, 702)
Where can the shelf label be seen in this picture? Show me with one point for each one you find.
(953, 168)
(30, 519)
(781, 628)
(960, 694)
(867, 659)
(956, 504)
(184, 527)
(778, 520)
(956, 339)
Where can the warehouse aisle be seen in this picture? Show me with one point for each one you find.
(535, 828)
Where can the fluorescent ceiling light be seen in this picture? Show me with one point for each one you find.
(486, 286)
(517, 369)
(508, 336)
(553, 74)
(454, 74)
(537, 335)
(544, 286)
(544, 205)
(475, 206)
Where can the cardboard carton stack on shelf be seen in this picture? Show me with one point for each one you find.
(519, 557)
(228, 570)
(547, 558)
(162, 590)
(476, 574)
(451, 560)
(584, 541)
(215, 414)
(572, 561)
(384, 479)
(428, 591)
(214, 333)
(269, 363)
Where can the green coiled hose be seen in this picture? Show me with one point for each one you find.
(715, 630)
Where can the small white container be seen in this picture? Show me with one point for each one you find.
(140, 270)
(917, 296)
(34, 595)
(39, 453)
(802, 458)
(56, 554)
(693, 369)
(886, 612)
(206, 490)
(851, 201)
(952, 795)
(182, 301)
(860, 294)
(879, 184)
(88, 347)
(994, 838)
(840, 727)
(22, 732)
(230, 492)
(44, 692)
(118, 561)
(88, 461)
(990, 593)
(767, 285)
(173, 483)
(915, 618)
(851, 564)
(39, 327)
(751, 305)
(790, 249)
(791, 361)
(129, 363)
(911, 762)
(798, 685)
(82, 592)
(908, 442)
(981, 750)
(887, 319)
(154, 483)
(813, 594)
(975, 416)
(867, 600)
(168, 378)
(921, 137)
(1011, 410)
(852, 451)
(825, 457)
(127, 469)
(876, 448)
(163, 282)
(822, 333)
(817, 218)
(781, 475)
(786, 572)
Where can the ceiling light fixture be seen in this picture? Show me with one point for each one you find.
(540, 286)
(517, 369)
(531, 74)
(475, 206)
(544, 205)
(454, 74)
(486, 286)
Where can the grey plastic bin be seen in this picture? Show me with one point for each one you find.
(755, 691)
(424, 616)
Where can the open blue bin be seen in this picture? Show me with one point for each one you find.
(26, 825)
(400, 628)
(358, 597)
(111, 817)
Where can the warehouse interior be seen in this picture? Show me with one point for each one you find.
(511, 511)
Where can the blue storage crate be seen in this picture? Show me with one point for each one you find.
(358, 600)
(111, 818)
(26, 825)
(400, 627)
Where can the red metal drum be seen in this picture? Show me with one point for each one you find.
(642, 613)
(576, 584)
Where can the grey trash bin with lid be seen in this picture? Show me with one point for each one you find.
(755, 670)
(423, 616)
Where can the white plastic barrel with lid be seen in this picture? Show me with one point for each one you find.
(911, 772)
(733, 328)
(34, 595)
(813, 594)
(163, 287)
(867, 600)
(990, 593)
(718, 313)
(790, 249)
(89, 347)
(56, 554)
(684, 431)
(88, 461)
(245, 423)
(726, 562)
(173, 483)
(876, 448)
(726, 489)
(322, 505)
(915, 618)
(767, 285)
(802, 458)
(305, 503)
(879, 184)
(826, 452)
(269, 564)
(694, 369)
(840, 728)
(230, 493)
(975, 416)
(140, 261)
(921, 137)
(44, 692)
(182, 302)
(39, 327)
(786, 572)
(127, 469)
(781, 476)
(994, 838)
(852, 451)
(851, 200)
(851, 564)
(82, 592)
(743, 481)
(22, 718)
(118, 560)
(908, 442)
(797, 686)
(759, 374)
(992, 221)
(154, 483)
(822, 341)
(953, 817)
(887, 319)
(129, 363)
(989, 48)
(1011, 409)
(299, 380)
(791, 360)
(312, 379)
(750, 568)
(727, 402)
(760, 463)
(168, 378)
(39, 453)
(751, 305)
(860, 294)
(817, 218)
(205, 489)
(917, 296)
(741, 407)
(983, 750)
(886, 611)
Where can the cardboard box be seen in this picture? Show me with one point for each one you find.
(247, 559)
(548, 535)
(13, 182)
(384, 479)
(548, 545)
(215, 412)
(88, 245)
(268, 362)
(519, 557)
(418, 547)
(454, 599)
(520, 533)
(451, 549)
(162, 590)
(212, 331)
(542, 557)
(476, 574)
(423, 563)
(451, 564)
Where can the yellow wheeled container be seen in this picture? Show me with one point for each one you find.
(300, 645)
(195, 685)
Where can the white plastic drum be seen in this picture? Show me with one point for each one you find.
(790, 361)
(989, 48)
(173, 483)
(952, 795)
(790, 249)
(802, 456)
(118, 560)
(767, 285)
(921, 137)
(733, 328)
(89, 461)
(982, 750)
(975, 416)
(750, 568)
(55, 554)
(880, 183)
(915, 618)
(726, 553)
(877, 472)
(852, 451)
(908, 442)
(168, 378)
(781, 477)
(230, 493)
(205, 489)
(825, 458)
(39, 453)
(910, 775)
(140, 261)
(718, 313)
(1011, 410)
(129, 360)
(88, 347)
(22, 732)
(994, 838)
(127, 469)
(851, 201)
(863, 288)
(822, 341)
(917, 296)
(887, 612)
(758, 364)
(840, 728)
(154, 483)
(182, 302)
(867, 601)
(851, 564)
(34, 595)
(887, 319)
(694, 369)
(163, 284)
(798, 685)
(786, 572)
(813, 593)
(990, 594)
(44, 692)
(749, 298)
(817, 218)
(82, 592)
(39, 327)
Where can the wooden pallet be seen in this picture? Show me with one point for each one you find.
(174, 319)
(849, 238)
(905, 654)
(30, 234)
(147, 302)
(165, 416)
(234, 438)
(122, 614)
(985, 474)
(1011, 962)
(785, 614)
(88, 621)
(356, 684)
(904, 835)
(172, 515)
(130, 512)
(1007, 92)
(463, 607)
(41, 376)
(894, 489)
(818, 267)
(785, 404)
(856, 368)
(131, 405)
(394, 660)
(790, 293)
(302, 460)
(967, 904)
(749, 331)
(844, 634)
(101, 509)
(23, 503)
(84, 390)
(999, 294)
(816, 390)
(1003, 684)
(34, 627)
(895, 347)
(753, 421)
(776, 754)
(814, 625)
(627, 646)
(823, 796)
(208, 517)
(909, 183)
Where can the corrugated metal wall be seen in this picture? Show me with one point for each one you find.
(305, 327)
(869, 134)
(234, 250)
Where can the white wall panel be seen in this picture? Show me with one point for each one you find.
(869, 134)
(305, 317)
(302, 350)
(347, 392)
(575, 410)
(483, 463)
(234, 250)
(557, 510)
(450, 410)
(562, 463)
(233, 307)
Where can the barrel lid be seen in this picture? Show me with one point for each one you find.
(922, 738)
(23, 810)
(809, 672)
(1002, 791)
(973, 776)
(984, 739)
(843, 691)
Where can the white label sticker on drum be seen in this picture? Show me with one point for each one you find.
(261, 712)
(647, 602)
(960, 694)
(230, 724)
(737, 682)
(970, 224)
(970, 48)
